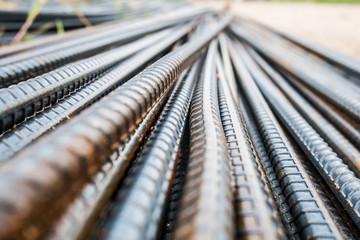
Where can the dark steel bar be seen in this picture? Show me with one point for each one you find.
(77, 150)
(56, 43)
(337, 175)
(82, 215)
(310, 215)
(336, 140)
(23, 134)
(13, 73)
(344, 125)
(342, 220)
(270, 176)
(206, 209)
(173, 202)
(254, 210)
(28, 98)
(32, 63)
(153, 172)
(331, 87)
(336, 58)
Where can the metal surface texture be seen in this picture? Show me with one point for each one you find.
(206, 207)
(19, 71)
(331, 115)
(185, 124)
(153, 171)
(267, 169)
(335, 90)
(253, 209)
(25, 99)
(291, 175)
(21, 51)
(125, 31)
(335, 139)
(98, 130)
(340, 179)
(81, 215)
(14, 140)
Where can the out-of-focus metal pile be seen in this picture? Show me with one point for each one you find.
(69, 16)
(190, 124)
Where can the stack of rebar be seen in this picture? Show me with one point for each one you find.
(59, 15)
(190, 124)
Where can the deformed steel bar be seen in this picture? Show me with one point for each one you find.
(336, 58)
(326, 75)
(335, 139)
(52, 39)
(310, 215)
(28, 98)
(83, 214)
(206, 209)
(328, 70)
(270, 176)
(334, 117)
(13, 73)
(173, 202)
(69, 23)
(17, 14)
(225, 56)
(177, 135)
(343, 221)
(345, 98)
(75, 151)
(332, 59)
(343, 182)
(254, 210)
(264, 161)
(76, 38)
(149, 182)
(343, 62)
(45, 59)
(23, 134)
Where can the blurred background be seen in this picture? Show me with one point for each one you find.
(331, 23)
(24, 20)
(334, 24)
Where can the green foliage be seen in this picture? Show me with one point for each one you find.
(59, 26)
(34, 11)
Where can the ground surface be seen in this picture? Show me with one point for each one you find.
(336, 26)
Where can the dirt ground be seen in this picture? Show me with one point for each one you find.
(336, 26)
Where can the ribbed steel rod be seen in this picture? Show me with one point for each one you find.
(81, 216)
(28, 98)
(78, 149)
(23, 134)
(336, 140)
(344, 97)
(153, 171)
(337, 175)
(345, 127)
(254, 210)
(270, 176)
(77, 38)
(206, 207)
(310, 215)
